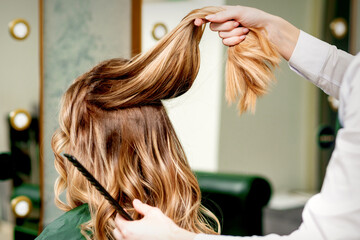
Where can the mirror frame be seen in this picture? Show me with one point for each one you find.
(41, 112)
(136, 6)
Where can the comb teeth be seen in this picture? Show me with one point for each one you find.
(98, 186)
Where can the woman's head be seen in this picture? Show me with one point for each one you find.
(132, 151)
(113, 121)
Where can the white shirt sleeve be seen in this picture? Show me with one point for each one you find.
(334, 213)
(350, 95)
(321, 63)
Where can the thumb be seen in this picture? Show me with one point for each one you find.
(141, 208)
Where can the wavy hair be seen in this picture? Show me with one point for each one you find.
(112, 119)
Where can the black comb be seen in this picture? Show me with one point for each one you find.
(98, 186)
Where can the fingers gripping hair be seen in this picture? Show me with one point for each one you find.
(171, 66)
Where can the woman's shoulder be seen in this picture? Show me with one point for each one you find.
(67, 226)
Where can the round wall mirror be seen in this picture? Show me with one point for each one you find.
(20, 119)
(19, 29)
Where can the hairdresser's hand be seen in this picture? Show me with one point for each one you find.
(153, 226)
(234, 22)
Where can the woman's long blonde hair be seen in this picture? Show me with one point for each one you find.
(113, 121)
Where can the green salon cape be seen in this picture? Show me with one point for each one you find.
(67, 226)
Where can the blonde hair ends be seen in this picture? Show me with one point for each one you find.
(249, 69)
(171, 66)
(112, 119)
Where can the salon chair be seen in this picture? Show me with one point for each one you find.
(237, 200)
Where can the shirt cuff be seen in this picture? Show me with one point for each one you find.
(309, 57)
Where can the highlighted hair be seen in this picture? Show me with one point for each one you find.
(113, 121)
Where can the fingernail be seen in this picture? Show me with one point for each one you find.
(209, 17)
(236, 24)
(242, 37)
(245, 30)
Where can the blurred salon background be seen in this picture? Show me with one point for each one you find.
(46, 44)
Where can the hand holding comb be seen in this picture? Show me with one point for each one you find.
(98, 186)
